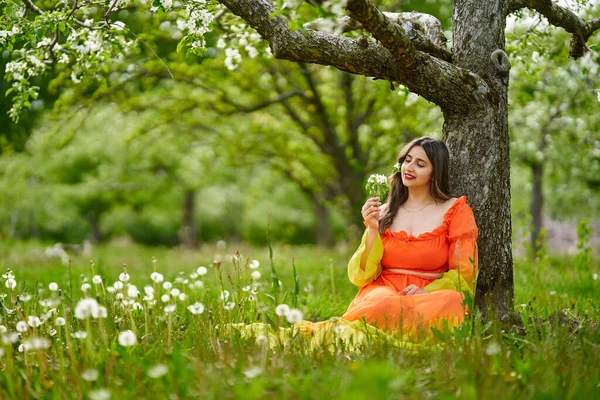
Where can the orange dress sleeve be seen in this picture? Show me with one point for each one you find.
(462, 254)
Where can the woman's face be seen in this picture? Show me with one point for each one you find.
(416, 169)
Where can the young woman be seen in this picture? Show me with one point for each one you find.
(418, 256)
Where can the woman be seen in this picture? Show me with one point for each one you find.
(418, 256)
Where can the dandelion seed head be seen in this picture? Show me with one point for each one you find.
(25, 297)
(86, 308)
(149, 290)
(294, 315)
(493, 348)
(111, 289)
(124, 277)
(253, 372)
(553, 293)
(132, 291)
(10, 338)
(22, 326)
(198, 284)
(175, 292)
(183, 297)
(595, 277)
(3, 329)
(80, 335)
(33, 321)
(157, 277)
(127, 338)
(11, 283)
(170, 308)
(255, 275)
(196, 308)
(165, 298)
(85, 287)
(229, 306)
(53, 286)
(224, 295)
(97, 279)
(254, 264)
(100, 312)
(90, 375)
(118, 285)
(167, 285)
(52, 332)
(157, 371)
(99, 394)
(282, 310)
(202, 271)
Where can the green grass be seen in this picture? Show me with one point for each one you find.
(204, 359)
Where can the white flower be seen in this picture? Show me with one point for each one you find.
(224, 295)
(170, 308)
(167, 285)
(80, 335)
(253, 372)
(157, 277)
(53, 286)
(294, 315)
(100, 312)
(201, 271)
(52, 332)
(261, 340)
(99, 394)
(493, 348)
(595, 276)
(127, 338)
(36, 343)
(246, 289)
(33, 321)
(165, 298)
(254, 264)
(11, 283)
(255, 275)
(10, 338)
(22, 326)
(175, 292)
(124, 277)
(86, 308)
(118, 285)
(85, 287)
(149, 290)
(229, 306)
(198, 284)
(3, 329)
(282, 310)
(133, 291)
(97, 279)
(158, 371)
(90, 375)
(25, 297)
(196, 308)
(183, 297)
(111, 289)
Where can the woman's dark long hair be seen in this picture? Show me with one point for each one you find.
(438, 154)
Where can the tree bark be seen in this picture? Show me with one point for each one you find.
(537, 202)
(94, 222)
(323, 231)
(479, 144)
(188, 233)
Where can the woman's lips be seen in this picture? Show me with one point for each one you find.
(409, 177)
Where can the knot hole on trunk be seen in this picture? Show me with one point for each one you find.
(500, 61)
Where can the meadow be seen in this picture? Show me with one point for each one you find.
(157, 325)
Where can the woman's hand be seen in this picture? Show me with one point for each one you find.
(370, 213)
(411, 290)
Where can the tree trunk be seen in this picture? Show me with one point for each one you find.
(323, 231)
(537, 201)
(94, 222)
(479, 145)
(188, 233)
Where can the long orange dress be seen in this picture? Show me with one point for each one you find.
(450, 249)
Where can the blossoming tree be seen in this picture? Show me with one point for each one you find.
(469, 82)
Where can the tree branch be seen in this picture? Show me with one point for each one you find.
(248, 109)
(562, 18)
(450, 87)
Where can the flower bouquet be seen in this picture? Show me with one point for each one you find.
(378, 186)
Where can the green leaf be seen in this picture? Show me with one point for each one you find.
(181, 44)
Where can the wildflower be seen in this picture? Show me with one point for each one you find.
(149, 290)
(133, 291)
(224, 295)
(124, 277)
(127, 338)
(25, 297)
(201, 271)
(85, 287)
(170, 308)
(111, 289)
(22, 326)
(22, 348)
(80, 335)
(99, 394)
(157, 277)
(52, 332)
(175, 292)
(53, 286)
(183, 297)
(167, 285)
(90, 375)
(255, 275)
(196, 308)
(118, 285)
(198, 284)
(261, 340)
(137, 306)
(253, 372)
(282, 310)
(294, 315)
(338, 329)
(100, 312)
(33, 321)
(11, 283)
(157, 371)
(229, 306)
(97, 279)
(165, 298)
(254, 264)
(86, 308)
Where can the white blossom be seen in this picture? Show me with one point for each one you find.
(97, 279)
(254, 264)
(90, 375)
(86, 308)
(201, 271)
(196, 308)
(255, 275)
(127, 338)
(282, 310)
(22, 326)
(157, 371)
(53, 286)
(33, 321)
(124, 277)
(59, 321)
(157, 277)
(11, 283)
(294, 315)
